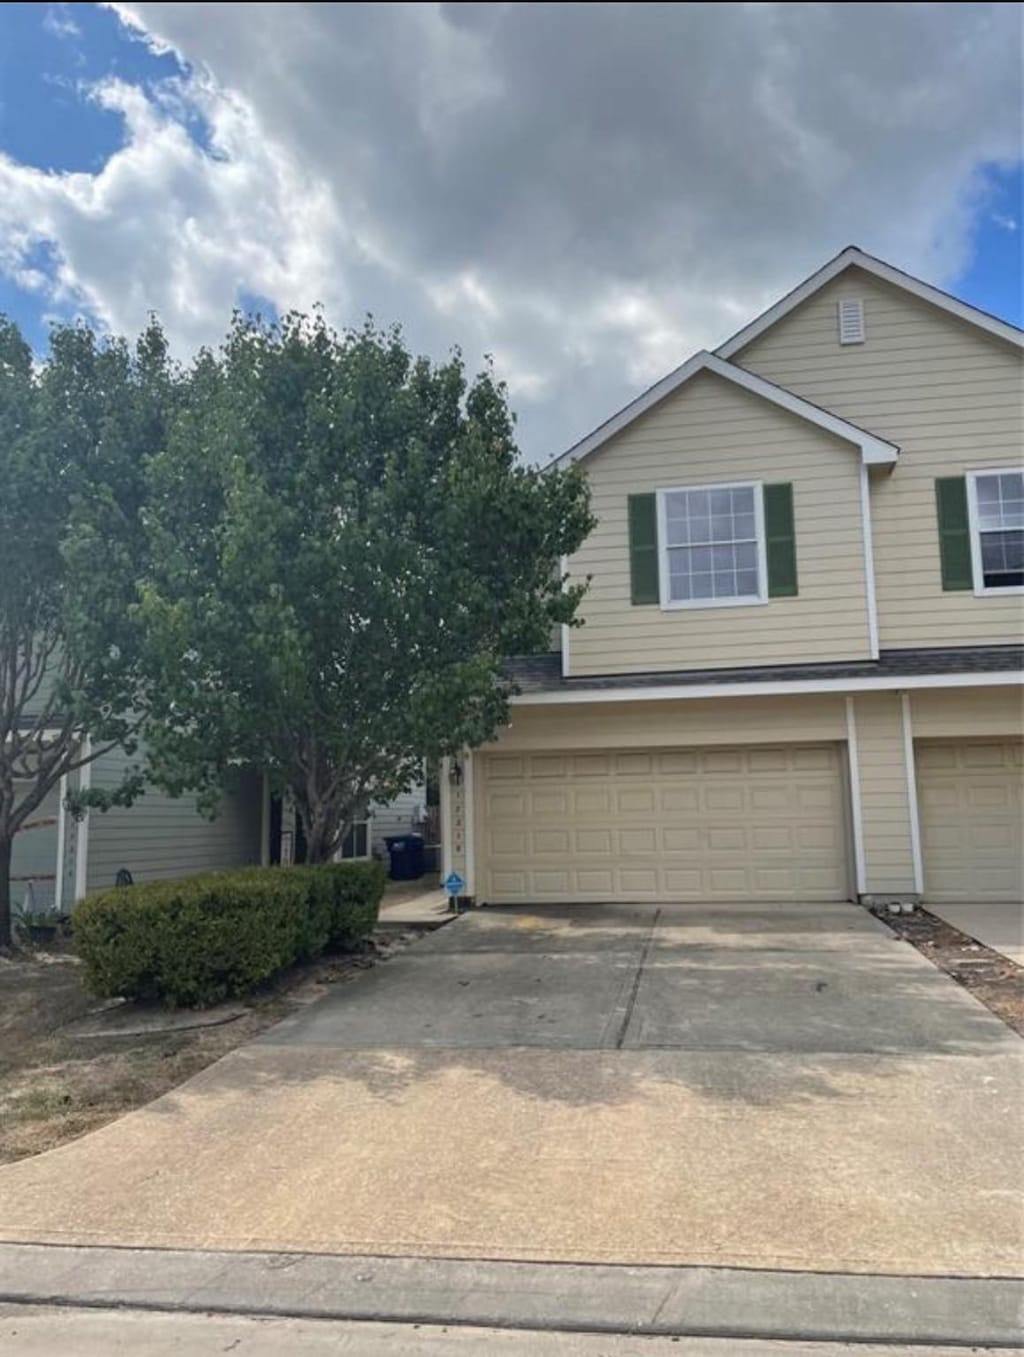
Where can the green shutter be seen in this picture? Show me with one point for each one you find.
(780, 540)
(954, 533)
(643, 548)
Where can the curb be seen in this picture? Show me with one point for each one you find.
(599, 1298)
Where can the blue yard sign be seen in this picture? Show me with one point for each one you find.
(454, 884)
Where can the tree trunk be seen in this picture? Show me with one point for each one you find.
(6, 856)
(320, 842)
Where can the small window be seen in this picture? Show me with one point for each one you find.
(851, 320)
(712, 550)
(356, 843)
(997, 530)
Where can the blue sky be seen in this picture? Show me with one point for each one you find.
(425, 164)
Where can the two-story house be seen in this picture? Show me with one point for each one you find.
(798, 675)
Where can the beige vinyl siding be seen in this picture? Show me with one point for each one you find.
(942, 713)
(884, 797)
(709, 432)
(692, 721)
(163, 837)
(950, 395)
(398, 816)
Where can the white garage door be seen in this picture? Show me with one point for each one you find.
(971, 809)
(664, 824)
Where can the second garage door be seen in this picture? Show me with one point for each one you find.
(764, 823)
(971, 816)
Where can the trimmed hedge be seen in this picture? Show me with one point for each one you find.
(205, 938)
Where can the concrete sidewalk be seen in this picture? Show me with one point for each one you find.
(999, 926)
(775, 1088)
(553, 1298)
(31, 1331)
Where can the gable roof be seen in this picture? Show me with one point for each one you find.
(853, 257)
(873, 450)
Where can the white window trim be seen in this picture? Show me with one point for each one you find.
(980, 588)
(367, 820)
(668, 604)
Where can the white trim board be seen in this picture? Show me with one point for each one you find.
(445, 806)
(563, 565)
(82, 837)
(62, 839)
(470, 821)
(852, 257)
(772, 688)
(910, 770)
(853, 760)
(874, 451)
(869, 561)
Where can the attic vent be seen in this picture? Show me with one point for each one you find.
(851, 321)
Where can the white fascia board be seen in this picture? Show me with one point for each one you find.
(874, 451)
(849, 258)
(772, 688)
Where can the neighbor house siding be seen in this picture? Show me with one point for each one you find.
(403, 815)
(712, 431)
(34, 864)
(884, 796)
(949, 395)
(162, 836)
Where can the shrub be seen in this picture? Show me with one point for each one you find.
(205, 938)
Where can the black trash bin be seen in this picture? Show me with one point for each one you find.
(406, 854)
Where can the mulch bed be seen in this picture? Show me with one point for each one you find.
(993, 979)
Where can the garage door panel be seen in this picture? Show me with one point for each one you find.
(550, 841)
(726, 824)
(969, 794)
(507, 842)
(680, 839)
(592, 801)
(772, 838)
(597, 885)
(678, 761)
(591, 765)
(631, 765)
(506, 806)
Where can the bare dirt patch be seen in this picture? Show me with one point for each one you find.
(993, 979)
(55, 1086)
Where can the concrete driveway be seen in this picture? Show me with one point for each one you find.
(783, 1087)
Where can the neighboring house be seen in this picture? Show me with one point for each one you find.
(58, 859)
(366, 838)
(799, 672)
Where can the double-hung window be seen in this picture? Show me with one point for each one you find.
(712, 546)
(996, 500)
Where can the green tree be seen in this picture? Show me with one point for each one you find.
(74, 433)
(345, 547)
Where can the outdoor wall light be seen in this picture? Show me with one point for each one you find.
(455, 773)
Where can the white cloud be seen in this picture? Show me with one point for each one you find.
(588, 192)
(57, 21)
